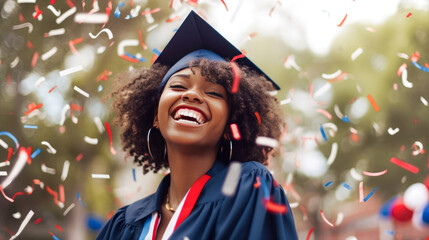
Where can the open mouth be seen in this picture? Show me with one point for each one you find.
(189, 116)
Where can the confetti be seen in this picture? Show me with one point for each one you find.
(80, 200)
(30, 126)
(322, 90)
(266, 141)
(94, 18)
(23, 224)
(35, 153)
(408, 15)
(404, 165)
(105, 30)
(425, 69)
(340, 218)
(360, 191)
(65, 171)
(331, 75)
(223, 2)
(5, 196)
(32, 107)
(328, 183)
(65, 15)
(77, 89)
(323, 133)
(237, 75)
(355, 175)
(134, 175)
(309, 233)
(100, 176)
(48, 170)
(370, 195)
(356, 53)
(344, 184)
(69, 208)
(54, 11)
(11, 137)
(112, 150)
(235, 132)
(24, 25)
(405, 81)
(424, 101)
(290, 62)
(333, 154)
(231, 180)
(71, 70)
(392, 131)
(50, 149)
(401, 68)
(326, 220)
(418, 146)
(374, 104)
(374, 174)
(55, 32)
(275, 207)
(26, 1)
(3, 173)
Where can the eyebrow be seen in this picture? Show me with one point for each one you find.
(181, 75)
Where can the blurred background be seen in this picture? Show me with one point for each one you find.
(355, 90)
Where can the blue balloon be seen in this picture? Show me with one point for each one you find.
(94, 222)
(386, 209)
(425, 214)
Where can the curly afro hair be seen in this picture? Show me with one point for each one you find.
(257, 113)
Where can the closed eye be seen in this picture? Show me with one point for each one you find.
(215, 94)
(177, 86)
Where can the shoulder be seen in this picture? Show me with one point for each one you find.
(139, 209)
(254, 168)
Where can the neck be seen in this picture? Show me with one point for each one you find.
(186, 166)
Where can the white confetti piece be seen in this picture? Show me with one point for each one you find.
(65, 172)
(266, 141)
(16, 215)
(333, 153)
(322, 90)
(40, 81)
(3, 173)
(402, 55)
(26, 1)
(50, 150)
(290, 62)
(14, 63)
(49, 53)
(63, 114)
(106, 30)
(340, 217)
(231, 179)
(48, 170)
(54, 11)
(93, 141)
(405, 81)
(331, 75)
(94, 18)
(69, 208)
(149, 18)
(77, 89)
(99, 124)
(23, 25)
(65, 15)
(294, 205)
(4, 164)
(71, 70)
(100, 176)
(4, 144)
(392, 131)
(152, 27)
(338, 112)
(424, 101)
(419, 148)
(19, 165)
(332, 128)
(356, 53)
(56, 32)
(285, 101)
(23, 224)
(125, 43)
(355, 175)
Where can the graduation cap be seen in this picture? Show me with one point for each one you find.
(196, 39)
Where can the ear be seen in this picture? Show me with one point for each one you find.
(155, 121)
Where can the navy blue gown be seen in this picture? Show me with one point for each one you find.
(216, 216)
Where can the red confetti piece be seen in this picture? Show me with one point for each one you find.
(235, 132)
(275, 208)
(324, 112)
(38, 12)
(21, 18)
(344, 19)
(129, 59)
(70, 3)
(151, 11)
(30, 45)
(112, 150)
(257, 183)
(172, 19)
(72, 43)
(74, 107)
(108, 10)
(361, 192)
(237, 57)
(34, 59)
(224, 4)
(408, 15)
(309, 233)
(5, 196)
(103, 76)
(58, 227)
(404, 165)
(258, 117)
(171, 3)
(16, 194)
(374, 174)
(52, 89)
(325, 219)
(62, 195)
(131, 2)
(237, 75)
(32, 107)
(36, 181)
(415, 57)
(37, 221)
(401, 69)
(141, 42)
(374, 104)
(9, 154)
(79, 157)
(340, 78)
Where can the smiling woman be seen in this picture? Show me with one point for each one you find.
(177, 115)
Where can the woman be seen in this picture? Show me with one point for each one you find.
(182, 114)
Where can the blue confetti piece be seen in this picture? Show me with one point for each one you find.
(265, 188)
(328, 183)
(11, 137)
(420, 67)
(55, 237)
(134, 174)
(370, 194)
(345, 119)
(80, 200)
(30, 126)
(346, 186)
(100, 88)
(134, 57)
(156, 51)
(117, 12)
(33, 155)
(323, 133)
(390, 232)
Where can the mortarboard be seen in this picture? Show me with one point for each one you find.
(196, 39)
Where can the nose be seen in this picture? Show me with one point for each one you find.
(192, 95)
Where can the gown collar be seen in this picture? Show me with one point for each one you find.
(146, 206)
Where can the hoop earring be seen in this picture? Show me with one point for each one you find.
(148, 145)
(230, 150)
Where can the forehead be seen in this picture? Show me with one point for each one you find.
(193, 73)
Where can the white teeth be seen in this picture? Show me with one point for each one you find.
(188, 121)
(189, 113)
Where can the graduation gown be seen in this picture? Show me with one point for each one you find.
(245, 215)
